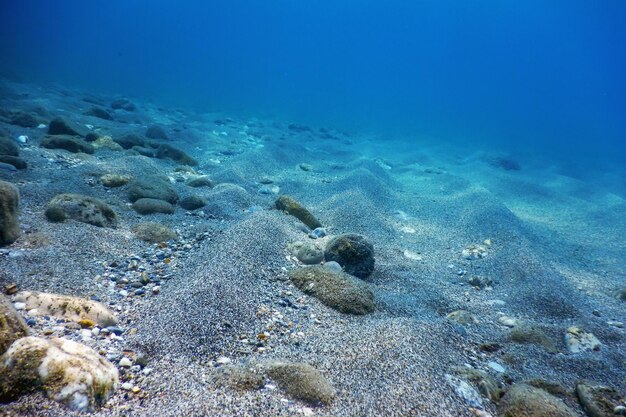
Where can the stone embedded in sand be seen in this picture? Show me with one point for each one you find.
(529, 334)
(69, 143)
(239, 377)
(60, 126)
(200, 181)
(354, 253)
(156, 132)
(192, 202)
(99, 112)
(598, 401)
(337, 290)
(153, 206)
(577, 340)
(115, 180)
(292, 207)
(462, 317)
(154, 232)
(474, 252)
(107, 142)
(8, 147)
(301, 381)
(522, 400)
(123, 104)
(23, 119)
(130, 140)
(17, 162)
(81, 208)
(484, 382)
(66, 307)
(622, 294)
(9, 213)
(12, 325)
(310, 254)
(69, 372)
(152, 186)
(169, 152)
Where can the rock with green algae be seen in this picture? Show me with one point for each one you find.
(69, 372)
(597, 400)
(239, 377)
(154, 232)
(61, 126)
(355, 253)
(66, 307)
(81, 208)
(335, 289)
(462, 317)
(200, 181)
(482, 381)
(152, 186)
(169, 152)
(153, 206)
(292, 207)
(12, 325)
(301, 381)
(115, 180)
(192, 202)
(522, 400)
(531, 334)
(69, 143)
(9, 213)
(8, 147)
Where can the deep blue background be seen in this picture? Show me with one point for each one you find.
(544, 75)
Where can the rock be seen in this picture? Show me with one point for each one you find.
(169, 152)
(81, 208)
(12, 325)
(192, 202)
(484, 382)
(462, 317)
(9, 213)
(24, 119)
(239, 377)
(115, 180)
(474, 251)
(67, 307)
(68, 143)
(301, 381)
(17, 162)
(8, 147)
(353, 252)
(152, 186)
(528, 334)
(143, 151)
(68, 372)
(130, 140)
(99, 112)
(60, 126)
(294, 208)
(156, 132)
(479, 282)
(522, 400)
(91, 137)
(201, 181)
(578, 341)
(154, 232)
(622, 294)
(153, 206)
(106, 142)
(310, 254)
(598, 401)
(553, 388)
(337, 290)
(123, 104)
(7, 167)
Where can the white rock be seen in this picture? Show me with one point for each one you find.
(496, 367)
(223, 360)
(19, 306)
(125, 362)
(578, 340)
(127, 386)
(507, 321)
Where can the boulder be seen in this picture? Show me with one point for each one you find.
(152, 186)
(192, 202)
(67, 307)
(156, 132)
(69, 372)
(60, 126)
(81, 208)
(8, 147)
(292, 207)
(23, 119)
(154, 232)
(310, 254)
(528, 334)
(337, 290)
(130, 140)
(200, 181)
(153, 206)
(482, 381)
(9, 212)
(522, 400)
(169, 152)
(12, 325)
(301, 381)
(99, 112)
(598, 400)
(17, 162)
(353, 252)
(68, 143)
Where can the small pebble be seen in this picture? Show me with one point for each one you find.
(127, 386)
(125, 362)
(19, 306)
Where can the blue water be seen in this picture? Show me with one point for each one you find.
(545, 77)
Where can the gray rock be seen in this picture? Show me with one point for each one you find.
(153, 206)
(310, 254)
(522, 400)
(9, 212)
(353, 252)
(301, 381)
(24, 119)
(169, 152)
(17, 162)
(528, 334)
(99, 112)
(81, 208)
(154, 232)
(192, 202)
(12, 325)
(60, 126)
(156, 132)
(598, 401)
(8, 147)
(201, 181)
(68, 143)
(123, 104)
(130, 140)
(152, 186)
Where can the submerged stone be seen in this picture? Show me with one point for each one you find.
(154, 232)
(597, 400)
(81, 208)
(292, 207)
(12, 325)
(527, 334)
(153, 206)
(8, 147)
(60, 126)
(9, 213)
(192, 202)
(152, 186)
(156, 132)
(301, 381)
(169, 152)
(355, 253)
(522, 400)
(99, 112)
(69, 143)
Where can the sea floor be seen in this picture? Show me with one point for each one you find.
(510, 242)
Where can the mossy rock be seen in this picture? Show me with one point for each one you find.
(522, 400)
(355, 253)
(200, 181)
(152, 186)
(481, 380)
(68, 143)
(292, 207)
(17, 162)
(23, 119)
(310, 254)
(154, 232)
(301, 381)
(156, 132)
(99, 112)
(337, 290)
(192, 202)
(462, 317)
(530, 334)
(597, 400)
(12, 325)
(169, 152)
(130, 140)
(81, 208)
(239, 377)
(153, 206)
(60, 126)
(8, 147)
(9, 212)
(115, 180)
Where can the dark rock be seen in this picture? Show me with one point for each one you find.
(18, 163)
(153, 206)
(143, 151)
(192, 202)
(152, 186)
(130, 140)
(81, 208)
(68, 143)
(239, 377)
(91, 137)
(598, 401)
(169, 152)
(12, 326)
(338, 290)
(522, 400)
(202, 181)
(353, 252)
(301, 381)
(9, 213)
(24, 119)
(292, 207)
(154, 232)
(527, 334)
(60, 126)
(622, 294)
(99, 112)
(123, 104)
(8, 147)
(156, 132)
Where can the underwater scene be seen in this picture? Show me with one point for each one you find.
(312, 208)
